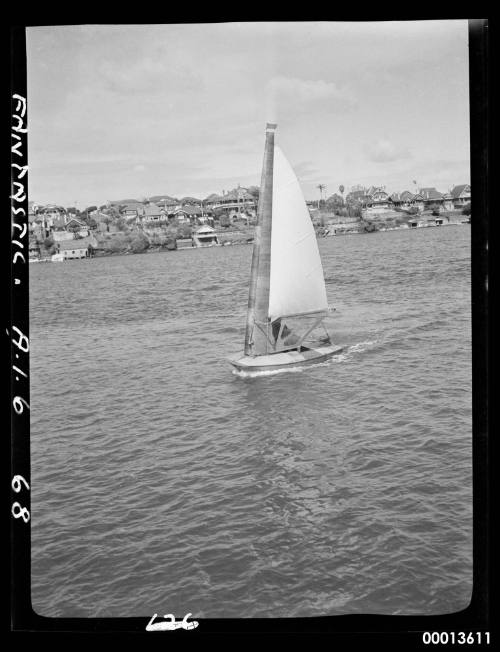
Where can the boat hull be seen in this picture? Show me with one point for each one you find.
(286, 359)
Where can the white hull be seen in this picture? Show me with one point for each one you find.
(276, 361)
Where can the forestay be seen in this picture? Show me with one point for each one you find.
(297, 284)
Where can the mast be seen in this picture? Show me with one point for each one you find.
(256, 342)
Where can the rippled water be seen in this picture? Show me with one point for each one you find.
(164, 483)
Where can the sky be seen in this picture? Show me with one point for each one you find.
(131, 111)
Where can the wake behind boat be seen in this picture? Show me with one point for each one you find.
(287, 301)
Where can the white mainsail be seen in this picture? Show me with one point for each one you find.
(297, 284)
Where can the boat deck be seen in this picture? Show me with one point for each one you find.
(275, 361)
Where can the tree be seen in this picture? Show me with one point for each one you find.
(113, 212)
(121, 224)
(354, 209)
(185, 230)
(321, 187)
(89, 209)
(466, 209)
(254, 191)
(341, 190)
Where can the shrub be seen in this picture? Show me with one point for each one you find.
(139, 243)
(466, 209)
(118, 243)
(369, 227)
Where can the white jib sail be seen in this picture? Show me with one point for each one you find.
(297, 284)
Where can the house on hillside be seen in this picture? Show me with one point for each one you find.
(461, 195)
(212, 200)
(192, 214)
(406, 200)
(238, 200)
(152, 213)
(448, 202)
(131, 209)
(52, 213)
(395, 200)
(77, 227)
(431, 197)
(377, 200)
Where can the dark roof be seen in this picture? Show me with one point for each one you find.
(458, 190)
(73, 219)
(80, 243)
(192, 210)
(430, 193)
(51, 207)
(153, 209)
(132, 206)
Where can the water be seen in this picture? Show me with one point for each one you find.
(164, 483)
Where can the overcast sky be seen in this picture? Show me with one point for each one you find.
(121, 112)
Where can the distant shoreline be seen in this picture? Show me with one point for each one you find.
(162, 250)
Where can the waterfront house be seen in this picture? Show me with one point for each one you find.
(432, 198)
(79, 248)
(461, 195)
(377, 201)
(205, 236)
(448, 202)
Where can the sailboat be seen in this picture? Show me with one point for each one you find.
(287, 301)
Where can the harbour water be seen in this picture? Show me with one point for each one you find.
(162, 482)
